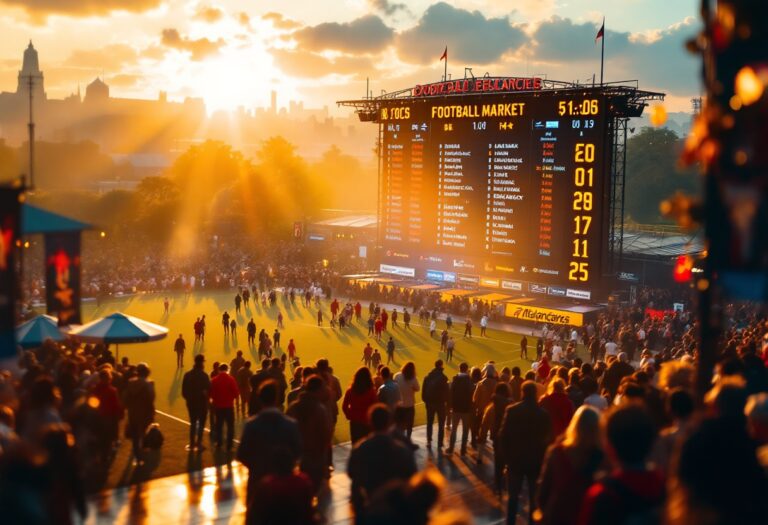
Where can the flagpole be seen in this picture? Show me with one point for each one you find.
(602, 53)
(445, 74)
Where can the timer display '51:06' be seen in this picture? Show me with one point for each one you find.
(585, 107)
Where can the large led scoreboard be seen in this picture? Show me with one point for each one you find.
(497, 187)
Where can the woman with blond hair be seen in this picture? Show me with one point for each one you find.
(569, 469)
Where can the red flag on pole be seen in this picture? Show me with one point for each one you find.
(601, 33)
(445, 54)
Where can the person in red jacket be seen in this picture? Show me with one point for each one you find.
(558, 405)
(110, 410)
(223, 393)
(357, 400)
(384, 318)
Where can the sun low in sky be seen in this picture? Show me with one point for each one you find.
(233, 53)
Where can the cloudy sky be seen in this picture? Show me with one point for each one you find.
(234, 52)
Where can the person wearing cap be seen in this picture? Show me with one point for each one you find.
(194, 389)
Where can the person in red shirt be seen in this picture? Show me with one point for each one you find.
(384, 319)
(367, 355)
(223, 393)
(334, 308)
(543, 371)
(357, 400)
(110, 410)
(291, 350)
(558, 405)
(377, 327)
(632, 491)
(284, 495)
(358, 310)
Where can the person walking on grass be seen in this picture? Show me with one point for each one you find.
(390, 350)
(225, 322)
(450, 346)
(367, 355)
(468, 328)
(483, 325)
(251, 329)
(179, 346)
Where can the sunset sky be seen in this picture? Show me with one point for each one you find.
(234, 52)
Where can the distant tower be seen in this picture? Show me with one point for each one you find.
(30, 70)
(274, 101)
(96, 91)
(696, 105)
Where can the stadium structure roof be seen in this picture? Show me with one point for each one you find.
(661, 242)
(350, 221)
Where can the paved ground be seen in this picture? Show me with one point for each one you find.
(215, 494)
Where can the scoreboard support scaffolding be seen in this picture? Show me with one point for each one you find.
(619, 101)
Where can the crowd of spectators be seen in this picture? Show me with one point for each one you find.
(613, 434)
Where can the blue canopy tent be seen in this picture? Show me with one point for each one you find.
(35, 331)
(37, 220)
(119, 328)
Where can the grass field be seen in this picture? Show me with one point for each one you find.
(342, 348)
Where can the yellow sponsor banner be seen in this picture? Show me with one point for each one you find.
(538, 314)
(490, 282)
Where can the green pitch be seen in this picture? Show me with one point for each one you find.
(343, 348)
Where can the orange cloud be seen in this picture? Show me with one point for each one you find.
(311, 65)
(199, 48)
(111, 57)
(279, 21)
(210, 14)
(41, 9)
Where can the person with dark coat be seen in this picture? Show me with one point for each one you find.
(315, 428)
(491, 425)
(435, 392)
(461, 392)
(616, 371)
(525, 434)
(139, 400)
(194, 389)
(377, 460)
(262, 435)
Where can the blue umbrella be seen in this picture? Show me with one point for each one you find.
(119, 328)
(35, 331)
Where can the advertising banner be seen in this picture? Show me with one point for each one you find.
(62, 276)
